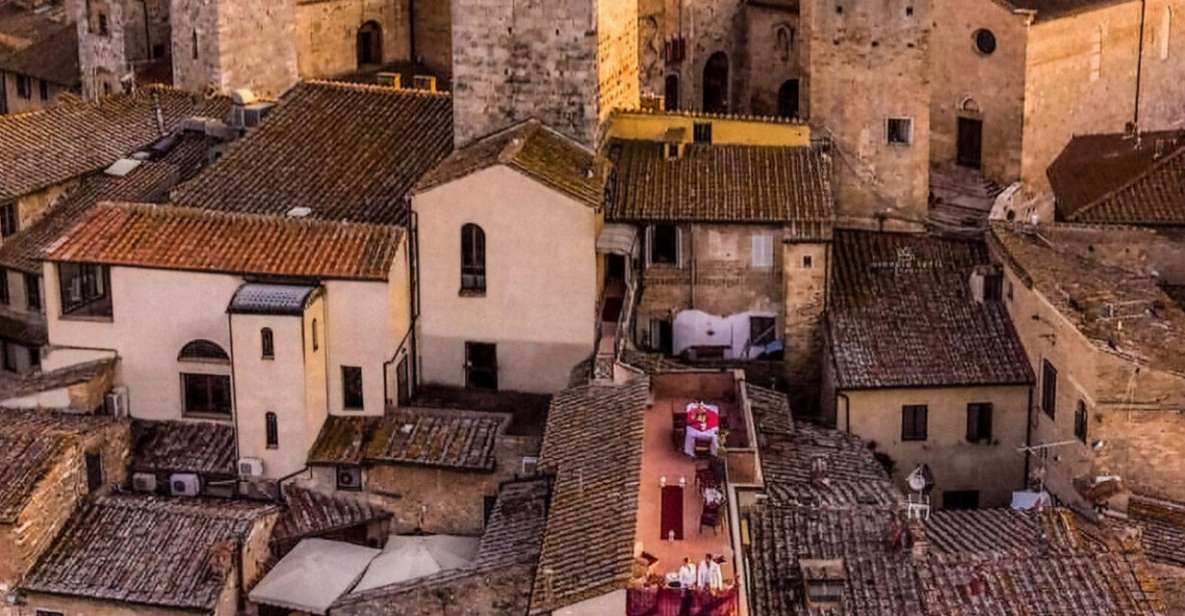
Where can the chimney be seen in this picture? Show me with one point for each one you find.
(390, 80)
(424, 82)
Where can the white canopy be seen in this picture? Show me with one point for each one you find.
(410, 557)
(619, 239)
(313, 575)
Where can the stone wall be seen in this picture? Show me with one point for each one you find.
(773, 58)
(868, 62)
(433, 24)
(546, 59)
(327, 34)
(806, 301)
(968, 83)
(222, 45)
(102, 59)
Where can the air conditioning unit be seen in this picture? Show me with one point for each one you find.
(144, 482)
(250, 467)
(243, 117)
(349, 478)
(185, 484)
(115, 403)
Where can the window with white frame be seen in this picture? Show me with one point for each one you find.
(763, 250)
(664, 244)
(899, 131)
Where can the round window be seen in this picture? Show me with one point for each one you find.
(985, 42)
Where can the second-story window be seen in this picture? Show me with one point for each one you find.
(663, 245)
(352, 388)
(85, 289)
(914, 422)
(4, 298)
(267, 343)
(473, 259)
(271, 427)
(8, 219)
(1049, 389)
(33, 292)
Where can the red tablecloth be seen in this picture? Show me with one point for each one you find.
(672, 512)
(703, 417)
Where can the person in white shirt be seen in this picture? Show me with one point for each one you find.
(715, 576)
(704, 573)
(687, 574)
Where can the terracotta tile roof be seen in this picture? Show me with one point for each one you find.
(1154, 197)
(1092, 295)
(44, 148)
(1048, 10)
(593, 446)
(169, 237)
(53, 57)
(145, 183)
(37, 382)
(506, 558)
(534, 150)
(460, 440)
(720, 183)
(999, 531)
(848, 475)
(1091, 167)
(348, 152)
(148, 550)
(184, 447)
(1162, 525)
(26, 329)
(31, 444)
(902, 315)
(309, 513)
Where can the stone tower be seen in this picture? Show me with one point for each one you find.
(870, 93)
(119, 39)
(225, 45)
(568, 63)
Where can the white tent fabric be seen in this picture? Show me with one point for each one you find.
(313, 575)
(619, 239)
(409, 557)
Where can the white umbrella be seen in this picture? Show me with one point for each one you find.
(410, 557)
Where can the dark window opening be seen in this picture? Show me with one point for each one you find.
(762, 330)
(272, 429)
(267, 343)
(985, 42)
(913, 422)
(43, 90)
(33, 292)
(352, 388)
(206, 394)
(8, 219)
(94, 472)
(481, 365)
(664, 245)
(9, 359)
(1049, 389)
(370, 44)
(716, 83)
(203, 351)
(662, 337)
(403, 382)
(979, 422)
(960, 499)
(788, 99)
(671, 93)
(195, 45)
(24, 87)
(473, 259)
(969, 143)
(701, 132)
(1080, 420)
(899, 131)
(103, 24)
(4, 297)
(85, 289)
(315, 336)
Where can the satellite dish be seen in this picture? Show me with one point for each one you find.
(917, 483)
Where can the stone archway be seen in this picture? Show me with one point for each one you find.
(370, 44)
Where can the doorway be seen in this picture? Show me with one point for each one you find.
(370, 44)
(670, 97)
(970, 143)
(481, 365)
(788, 99)
(716, 83)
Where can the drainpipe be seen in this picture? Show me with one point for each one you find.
(1139, 65)
(691, 260)
(234, 393)
(1028, 439)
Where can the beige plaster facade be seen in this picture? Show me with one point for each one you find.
(223, 45)
(13, 102)
(541, 280)
(327, 34)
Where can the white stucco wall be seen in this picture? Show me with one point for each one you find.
(363, 330)
(541, 280)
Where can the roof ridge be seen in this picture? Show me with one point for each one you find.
(188, 211)
(375, 88)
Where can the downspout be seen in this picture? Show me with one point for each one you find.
(234, 390)
(691, 261)
(411, 33)
(1028, 439)
(409, 337)
(1139, 65)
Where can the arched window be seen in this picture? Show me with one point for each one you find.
(473, 258)
(203, 350)
(784, 42)
(716, 83)
(788, 99)
(1080, 420)
(370, 43)
(272, 429)
(267, 343)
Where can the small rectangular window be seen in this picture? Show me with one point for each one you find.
(808, 261)
(8, 219)
(4, 297)
(33, 292)
(44, 90)
(103, 24)
(24, 87)
(914, 422)
(349, 478)
(1080, 420)
(1049, 389)
(663, 245)
(272, 430)
(41, 612)
(94, 472)
(85, 289)
(899, 131)
(979, 422)
(206, 394)
(352, 388)
(267, 343)
(702, 132)
(762, 330)
(8, 358)
(763, 251)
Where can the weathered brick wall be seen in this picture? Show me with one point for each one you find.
(868, 64)
(195, 45)
(709, 26)
(986, 87)
(770, 61)
(327, 34)
(147, 31)
(540, 58)
(102, 58)
(239, 45)
(806, 298)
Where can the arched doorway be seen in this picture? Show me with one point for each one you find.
(370, 43)
(671, 93)
(788, 99)
(716, 83)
